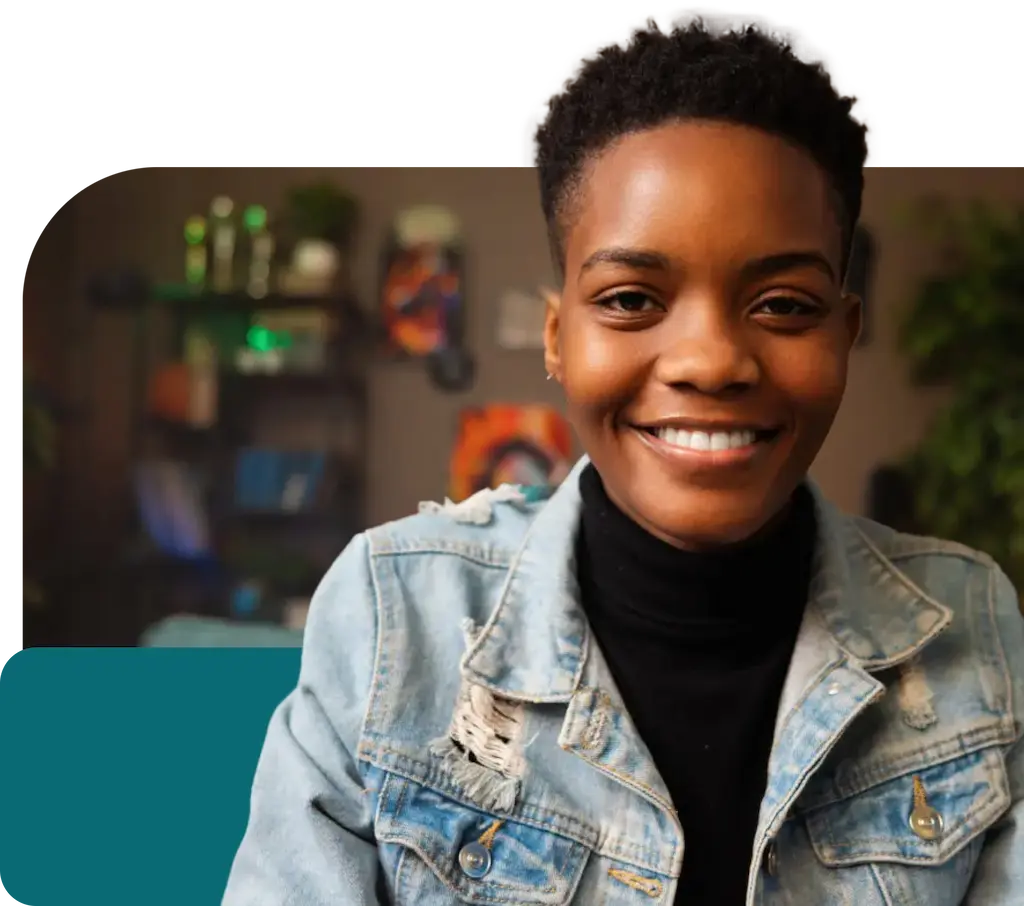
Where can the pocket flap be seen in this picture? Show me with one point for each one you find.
(969, 794)
(525, 864)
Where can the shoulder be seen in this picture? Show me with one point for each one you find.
(984, 602)
(444, 546)
(423, 583)
(935, 561)
(457, 553)
(941, 568)
(487, 529)
(903, 547)
(432, 571)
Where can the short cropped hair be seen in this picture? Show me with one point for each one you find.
(697, 62)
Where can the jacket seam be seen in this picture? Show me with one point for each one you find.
(565, 825)
(1000, 648)
(506, 588)
(448, 552)
(904, 580)
(959, 552)
(863, 780)
(967, 827)
(411, 774)
(376, 679)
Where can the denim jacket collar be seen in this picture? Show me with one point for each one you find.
(534, 646)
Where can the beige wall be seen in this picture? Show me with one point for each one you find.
(137, 216)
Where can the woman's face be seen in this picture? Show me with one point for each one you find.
(701, 335)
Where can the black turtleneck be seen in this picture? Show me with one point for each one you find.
(699, 645)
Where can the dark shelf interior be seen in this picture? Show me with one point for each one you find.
(183, 294)
(336, 384)
(245, 402)
(189, 300)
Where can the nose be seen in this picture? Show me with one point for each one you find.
(708, 353)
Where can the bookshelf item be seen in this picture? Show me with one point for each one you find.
(196, 255)
(223, 235)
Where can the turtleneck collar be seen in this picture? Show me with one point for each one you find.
(747, 588)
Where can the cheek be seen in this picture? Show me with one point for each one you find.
(813, 379)
(600, 368)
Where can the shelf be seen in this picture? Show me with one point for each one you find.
(294, 383)
(129, 290)
(180, 430)
(190, 299)
(299, 518)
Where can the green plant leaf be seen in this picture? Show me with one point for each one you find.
(323, 211)
(965, 329)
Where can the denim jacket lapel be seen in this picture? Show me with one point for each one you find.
(863, 615)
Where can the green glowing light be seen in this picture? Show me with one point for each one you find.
(261, 339)
(255, 218)
(195, 230)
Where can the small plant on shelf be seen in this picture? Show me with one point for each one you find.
(322, 211)
(322, 222)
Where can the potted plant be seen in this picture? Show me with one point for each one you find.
(965, 331)
(322, 220)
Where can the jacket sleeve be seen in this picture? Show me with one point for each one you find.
(999, 876)
(309, 840)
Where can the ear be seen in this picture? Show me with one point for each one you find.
(552, 323)
(854, 316)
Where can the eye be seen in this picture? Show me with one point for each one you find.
(787, 307)
(628, 302)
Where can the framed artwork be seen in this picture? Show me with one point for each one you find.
(509, 444)
(423, 283)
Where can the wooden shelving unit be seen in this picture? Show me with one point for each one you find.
(244, 401)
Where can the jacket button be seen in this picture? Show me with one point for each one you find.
(926, 822)
(771, 860)
(475, 860)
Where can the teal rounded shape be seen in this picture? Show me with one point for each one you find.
(125, 773)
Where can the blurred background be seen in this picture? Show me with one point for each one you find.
(228, 373)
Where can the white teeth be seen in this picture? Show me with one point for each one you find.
(700, 441)
(703, 440)
(720, 441)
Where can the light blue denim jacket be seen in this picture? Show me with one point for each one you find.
(456, 736)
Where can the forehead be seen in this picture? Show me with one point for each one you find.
(701, 192)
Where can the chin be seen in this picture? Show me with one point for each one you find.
(700, 519)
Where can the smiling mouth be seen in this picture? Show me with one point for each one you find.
(711, 440)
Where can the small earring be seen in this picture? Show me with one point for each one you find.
(549, 377)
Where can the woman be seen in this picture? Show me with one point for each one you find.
(685, 678)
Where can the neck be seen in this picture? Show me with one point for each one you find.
(697, 545)
(623, 564)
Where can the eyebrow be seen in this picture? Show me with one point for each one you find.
(787, 261)
(643, 259)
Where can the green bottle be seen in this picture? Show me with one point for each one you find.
(195, 252)
(261, 250)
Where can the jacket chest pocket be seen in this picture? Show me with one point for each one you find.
(921, 832)
(444, 852)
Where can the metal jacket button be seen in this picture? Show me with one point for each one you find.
(771, 860)
(475, 860)
(926, 822)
